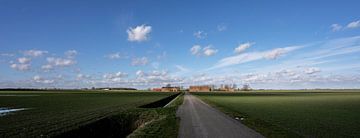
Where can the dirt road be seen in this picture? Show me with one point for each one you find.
(199, 120)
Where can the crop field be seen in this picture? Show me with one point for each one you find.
(52, 113)
(292, 114)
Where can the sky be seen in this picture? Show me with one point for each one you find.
(143, 44)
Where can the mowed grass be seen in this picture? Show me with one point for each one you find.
(51, 113)
(293, 114)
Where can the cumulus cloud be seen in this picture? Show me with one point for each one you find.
(139, 61)
(200, 34)
(47, 67)
(20, 67)
(195, 50)
(115, 77)
(242, 47)
(71, 53)
(23, 60)
(206, 51)
(82, 77)
(139, 33)
(155, 76)
(312, 70)
(39, 79)
(336, 27)
(139, 73)
(35, 53)
(354, 24)
(61, 62)
(248, 57)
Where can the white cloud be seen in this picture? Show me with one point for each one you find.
(242, 47)
(39, 79)
(115, 77)
(35, 53)
(354, 24)
(273, 54)
(221, 27)
(139, 33)
(139, 61)
(248, 57)
(83, 77)
(61, 62)
(208, 51)
(336, 27)
(20, 67)
(47, 67)
(200, 34)
(24, 60)
(71, 53)
(195, 50)
(182, 68)
(114, 56)
(117, 55)
(155, 77)
(139, 73)
(312, 70)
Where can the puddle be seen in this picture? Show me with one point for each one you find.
(5, 111)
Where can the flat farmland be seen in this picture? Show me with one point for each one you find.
(52, 113)
(292, 114)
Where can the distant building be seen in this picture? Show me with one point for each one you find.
(170, 89)
(246, 87)
(156, 89)
(227, 88)
(167, 88)
(204, 88)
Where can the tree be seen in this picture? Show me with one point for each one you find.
(246, 87)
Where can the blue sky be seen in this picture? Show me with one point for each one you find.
(142, 44)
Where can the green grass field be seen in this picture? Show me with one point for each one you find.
(52, 113)
(293, 114)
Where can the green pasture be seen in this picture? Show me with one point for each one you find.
(293, 114)
(52, 113)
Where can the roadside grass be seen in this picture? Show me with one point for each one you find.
(165, 125)
(53, 113)
(293, 114)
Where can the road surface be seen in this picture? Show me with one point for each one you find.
(199, 120)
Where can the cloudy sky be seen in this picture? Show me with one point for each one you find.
(142, 44)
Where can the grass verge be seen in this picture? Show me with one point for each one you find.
(165, 124)
(134, 123)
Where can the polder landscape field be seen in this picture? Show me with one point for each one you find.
(88, 114)
(330, 113)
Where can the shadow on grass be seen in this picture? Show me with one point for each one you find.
(148, 121)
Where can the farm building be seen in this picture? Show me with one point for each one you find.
(156, 89)
(228, 88)
(204, 88)
(170, 89)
